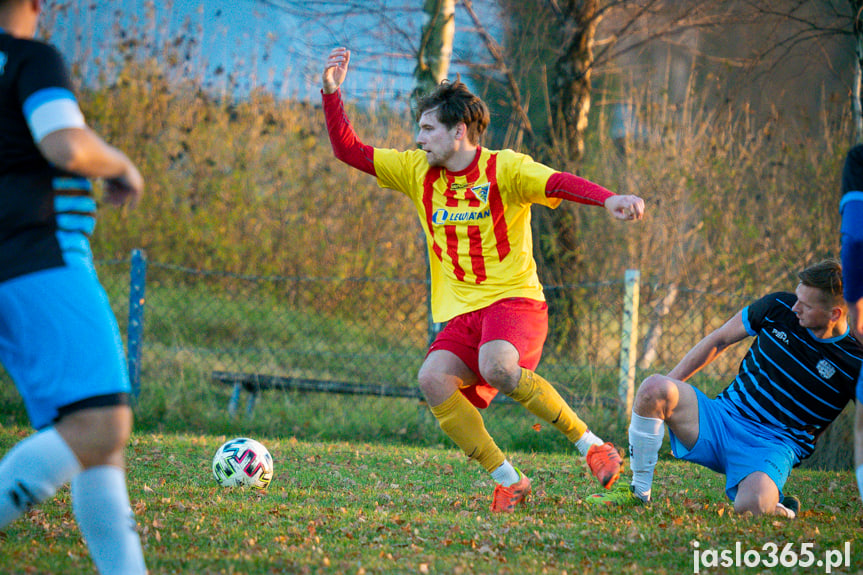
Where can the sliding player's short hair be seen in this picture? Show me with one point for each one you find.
(825, 276)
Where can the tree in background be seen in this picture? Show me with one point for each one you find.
(674, 79)
(543, 80)
(803, 27)
(435, 46)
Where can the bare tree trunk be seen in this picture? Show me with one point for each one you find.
(570, 93)
(435, 49)
(569, 100)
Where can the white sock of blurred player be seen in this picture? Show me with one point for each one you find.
(101, 505)
(33, 471)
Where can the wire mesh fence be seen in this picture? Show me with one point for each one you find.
(377, 330)
(346, 334)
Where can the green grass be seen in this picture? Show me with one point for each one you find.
(337, 507)
(180, 399)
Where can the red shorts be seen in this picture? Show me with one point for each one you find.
(520, 321)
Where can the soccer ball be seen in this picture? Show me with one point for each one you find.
(243, 462)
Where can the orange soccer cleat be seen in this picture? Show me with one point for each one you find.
(506, 498)
(605, 463)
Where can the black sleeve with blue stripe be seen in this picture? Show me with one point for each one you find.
(754, 314)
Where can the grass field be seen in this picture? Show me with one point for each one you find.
(337, 507)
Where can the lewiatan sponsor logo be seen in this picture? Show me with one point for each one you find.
(443, 216)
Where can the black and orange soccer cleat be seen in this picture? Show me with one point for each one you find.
(506, 499)
(605, 463)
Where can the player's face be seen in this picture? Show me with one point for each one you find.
(811, 310)
(435, 139)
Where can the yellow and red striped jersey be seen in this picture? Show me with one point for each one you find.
(477, 223)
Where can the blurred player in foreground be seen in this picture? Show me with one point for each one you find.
(851, 209)
(58, 336)
(474, 206)
(798, 375)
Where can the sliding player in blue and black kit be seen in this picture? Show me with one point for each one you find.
(58, 336)
(800, 372)
(851, 209)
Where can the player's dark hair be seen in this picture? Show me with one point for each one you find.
(455, 103)
(826, 276)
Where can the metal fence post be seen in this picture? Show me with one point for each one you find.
(135, 333)
(628, 343)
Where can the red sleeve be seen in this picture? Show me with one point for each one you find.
(570, 187)
(347, 147)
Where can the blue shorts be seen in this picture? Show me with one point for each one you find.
(736, 446)
(60, 342)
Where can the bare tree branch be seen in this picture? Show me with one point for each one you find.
(497, 53)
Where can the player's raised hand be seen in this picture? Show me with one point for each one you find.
(625, 207)
(336, 69)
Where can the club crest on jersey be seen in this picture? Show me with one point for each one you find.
(481, 192)
(825, 369)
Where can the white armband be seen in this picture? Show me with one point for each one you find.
(50, 110)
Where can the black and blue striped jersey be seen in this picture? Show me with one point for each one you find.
(790, 380)
(46, 214)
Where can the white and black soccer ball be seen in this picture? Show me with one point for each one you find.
(243, 462)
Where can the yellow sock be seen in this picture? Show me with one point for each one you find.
(462, 422)
(542, 400)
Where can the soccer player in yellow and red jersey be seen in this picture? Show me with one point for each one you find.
(474, 205)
